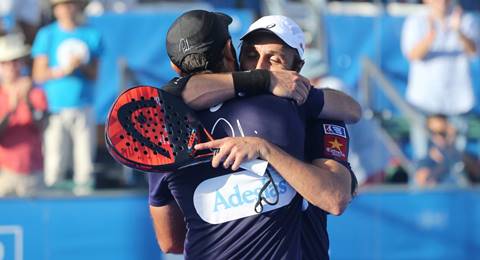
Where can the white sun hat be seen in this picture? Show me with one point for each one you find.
(12, 47)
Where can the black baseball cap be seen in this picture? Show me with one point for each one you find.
(198, 31)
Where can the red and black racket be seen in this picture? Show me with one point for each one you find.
(151, 130)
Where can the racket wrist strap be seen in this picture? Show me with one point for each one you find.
(251, 83)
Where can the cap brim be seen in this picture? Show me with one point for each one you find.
(20, 53)
(258, 30)
(225, 19)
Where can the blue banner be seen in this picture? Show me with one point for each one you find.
(408, 225)
(100, 227)
(382, 224)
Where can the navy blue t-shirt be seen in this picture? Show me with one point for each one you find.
(218, 204)
(326, 139)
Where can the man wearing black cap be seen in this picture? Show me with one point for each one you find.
(218, 204)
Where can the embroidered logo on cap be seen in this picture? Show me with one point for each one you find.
(183, 45)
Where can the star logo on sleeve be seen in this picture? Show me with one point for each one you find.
(335, 144)
(335, 147)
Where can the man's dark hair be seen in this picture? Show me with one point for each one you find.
(199, 62)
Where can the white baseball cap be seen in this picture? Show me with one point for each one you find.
(284, 28)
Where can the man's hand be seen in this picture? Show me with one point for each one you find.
(75, 63)
(24, 86)
(289, 84)
(13, 100)
(235, 150)
(456, 20)
(432, 31)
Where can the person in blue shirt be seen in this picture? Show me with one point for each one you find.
(66, 54)
(229, 209)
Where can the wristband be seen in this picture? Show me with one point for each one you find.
(251, 83)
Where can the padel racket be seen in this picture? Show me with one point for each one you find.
(151, 130)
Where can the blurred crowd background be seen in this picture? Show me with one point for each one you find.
(412, 65)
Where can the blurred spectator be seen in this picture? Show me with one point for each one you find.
(24, 15)
(22, 114)
(65, 60)
(438, 44)
(444, 163)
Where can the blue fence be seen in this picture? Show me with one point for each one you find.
(377, 225)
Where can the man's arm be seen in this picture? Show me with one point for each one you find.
(169, 227)
(336, 186)
(205, 90)
(42, 72)
(340, 106)
(325, 183)
(456, 24)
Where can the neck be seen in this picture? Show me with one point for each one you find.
(67, 24)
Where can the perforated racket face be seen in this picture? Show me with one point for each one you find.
(151, 130)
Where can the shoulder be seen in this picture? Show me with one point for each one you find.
(412, 22)
(51, 27)
(89, 30)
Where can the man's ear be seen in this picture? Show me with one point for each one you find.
(176, 69)
(299, 65)
(228, 52)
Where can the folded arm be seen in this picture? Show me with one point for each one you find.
(324, 183)
(340, 106)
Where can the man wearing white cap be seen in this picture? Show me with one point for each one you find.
(65, 56)
(22, 116)
(277, 43)
(327, 183)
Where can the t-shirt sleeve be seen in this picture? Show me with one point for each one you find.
(96, 44)
(38, 99)
(159, 193)
(40, 44)
(412, 32)
(177, 85)
(471, 28)
(314, 104)
(329, 139)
